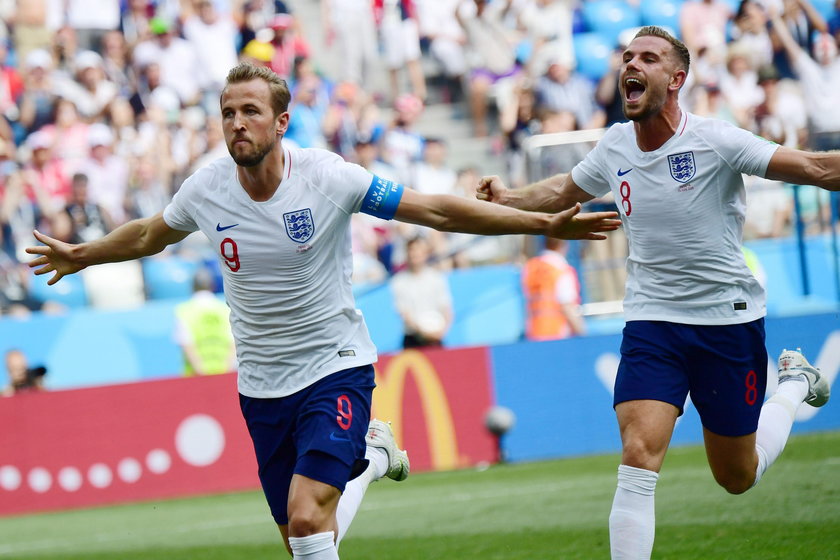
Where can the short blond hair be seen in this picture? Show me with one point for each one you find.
(680, 50)
(245, 72)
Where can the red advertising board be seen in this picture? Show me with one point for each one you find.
(120, 443)
(178, 437)
(436, 401)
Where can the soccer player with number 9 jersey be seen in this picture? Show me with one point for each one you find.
(694, 312)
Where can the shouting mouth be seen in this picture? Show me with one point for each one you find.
(633, 90)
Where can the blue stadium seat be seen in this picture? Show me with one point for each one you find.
(610, 17)
(664, 13)
(169, 277)
(824, 7)
(592, 52)
(70, 291)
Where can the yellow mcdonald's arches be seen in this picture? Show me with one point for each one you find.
(388, 404)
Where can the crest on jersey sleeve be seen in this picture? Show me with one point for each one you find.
(299, 225)
(682, 166)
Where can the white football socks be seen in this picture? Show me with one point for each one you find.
(632, 519)
(776, 420)
(355, 490)
(319, 546)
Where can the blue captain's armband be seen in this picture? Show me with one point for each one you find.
(382, 198)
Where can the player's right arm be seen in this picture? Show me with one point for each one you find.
(132, 240)
(552, 195)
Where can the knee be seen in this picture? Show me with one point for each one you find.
(735, 482)
(641, 454)
(306, 521)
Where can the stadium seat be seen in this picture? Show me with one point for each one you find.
(664, 13)
(610, 17)
(824, 7)
(70, 291)
(592, 52)
(169, 277)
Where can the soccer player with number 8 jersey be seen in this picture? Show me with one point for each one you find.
(694, 312)
(280, 220)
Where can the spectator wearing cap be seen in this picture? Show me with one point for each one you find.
(37, 100)
(739, 85)
(781, 117)
(288, 44)
(213, 37)
(258, 52)
(90, 91)
(178, 60)
(45, 174)
(107, 173)
(92, 19)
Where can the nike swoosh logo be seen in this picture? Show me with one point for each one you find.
(334, 437)
(220, 228)
(623, 173)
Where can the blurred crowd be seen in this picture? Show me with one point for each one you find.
(107, 105)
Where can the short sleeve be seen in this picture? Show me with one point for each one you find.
(178, 213)
(588, 173)
(742, 150)
(346, 183)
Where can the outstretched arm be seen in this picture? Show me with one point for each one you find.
(554, 194)
(135, 239)
(451, 213)
(799, 167)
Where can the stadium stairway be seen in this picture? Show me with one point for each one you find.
(438, 119)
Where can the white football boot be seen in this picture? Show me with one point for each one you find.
(793, 364)
(380, 435)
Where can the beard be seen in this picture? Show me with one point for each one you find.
(651, 108)
(254, 159)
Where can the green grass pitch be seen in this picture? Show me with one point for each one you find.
(542, 510)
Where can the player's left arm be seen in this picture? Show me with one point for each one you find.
(452, 213)
(799, 167)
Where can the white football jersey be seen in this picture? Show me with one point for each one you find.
(682, 207)
(286, 264)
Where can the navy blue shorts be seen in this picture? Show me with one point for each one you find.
(723, 367)
(318, 432)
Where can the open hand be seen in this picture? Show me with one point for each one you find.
(571, 224)
(56, 256)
